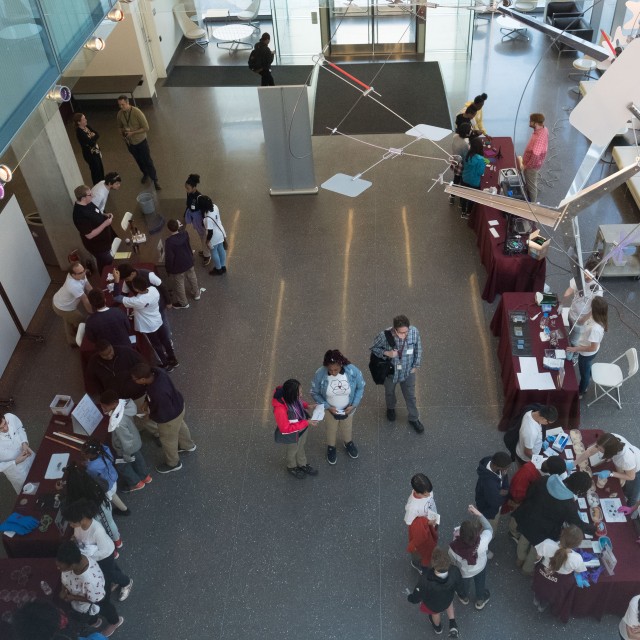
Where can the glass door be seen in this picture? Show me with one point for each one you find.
(371, 27)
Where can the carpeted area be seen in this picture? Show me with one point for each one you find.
(234, 76)
(414, 90)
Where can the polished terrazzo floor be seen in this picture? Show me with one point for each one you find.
(232, 547)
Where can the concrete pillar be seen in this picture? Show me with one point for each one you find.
(50, 169)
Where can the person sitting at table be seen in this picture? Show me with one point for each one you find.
(625, 457)
(580, 301)
(79, 485)
(66, 300)
(16, 457)
(554, 580)
(472, 172)
(106, 323)
(530, 440)
(550, 502)
(590, 340)
(109, 368)
(93, 541)
(125, 439)
(83, 586)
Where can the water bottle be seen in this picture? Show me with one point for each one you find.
(44, 585)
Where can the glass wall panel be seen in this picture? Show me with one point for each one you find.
(296, 32)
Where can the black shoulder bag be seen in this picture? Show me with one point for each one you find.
(382, 367)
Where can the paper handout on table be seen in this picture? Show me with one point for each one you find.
(535, 381)
(610, 508)
(56, 467)
(493, 232)
(493, 223)
(528, 365)
(318, 412)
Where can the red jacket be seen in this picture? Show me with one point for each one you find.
(520, 483)
(281, 414)
(423, 539)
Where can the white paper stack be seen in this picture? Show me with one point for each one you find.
(530, 378)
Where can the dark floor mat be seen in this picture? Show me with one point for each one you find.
(414, 90)
(234, 76)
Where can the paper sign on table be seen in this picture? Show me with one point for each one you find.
(87, 414)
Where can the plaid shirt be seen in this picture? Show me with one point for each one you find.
(536, 150)
(407, 360)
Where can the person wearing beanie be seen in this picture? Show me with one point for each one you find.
(534, 155)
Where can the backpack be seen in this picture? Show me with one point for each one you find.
(512, 434)
(253, 60)
(382, 367)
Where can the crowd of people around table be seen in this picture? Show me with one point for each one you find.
(539, 500)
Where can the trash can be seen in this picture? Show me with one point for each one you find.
(147, 202)
(40, 237)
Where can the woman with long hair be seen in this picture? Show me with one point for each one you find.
(472, 171)
(216, 235)
(339, 386)
(553, 580)
(193, 215)
(590, 340)
(292, 422)
(88, 140)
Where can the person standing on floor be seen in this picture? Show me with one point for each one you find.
(216, 235)
(405, 357)
(95, 227)
(100, 190)
(193, 216)
(106, 323)
(88, 140)
(134, 128)
(554, 580)
(534, 155)
(469, 551)
(147, 318)
(421, 518)
(166, 408)
(459, 150)
(478, 103)
(292, 423)
(472, 172)
(127, 274)
(435, 590)
(492, 487)
(125, 439)
(83, 586)
(179, 264)
(263, 59)
(467, 117)
(339, 386)
(67, 298)
(93, 541)
(590, 340)
(530, 438)
(16, 457)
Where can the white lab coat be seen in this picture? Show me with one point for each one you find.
(10, 448)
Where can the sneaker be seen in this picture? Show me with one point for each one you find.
(97, 624)
(188, 450)
(436, 627)
(309, 470)
(331, 455)
(144, 178)
(296, 472)
(480, 604)
(463, 600)
(453, 629)
(391, 415)
(108, 630)
(165, 468)
(489, 555)
(206, 261)
(116, 555)
(125, 591)
(156, 184)
(352, 450)
(452, 199)
(223, 269)
(119, 544)
(464, 216)
(417, 566)
(136, 487)
(177, 305)
(216, 272)
(119, 512)
(148, 480)
(200, 292)
(417, 425)
(171, 365)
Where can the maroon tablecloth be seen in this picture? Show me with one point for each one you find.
(565, 400)
(36, 570)
(611, 594)
(504, 273)
(38, 544)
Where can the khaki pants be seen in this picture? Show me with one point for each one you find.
(531, 183)
(72, 320)
(527, 555)
(346, 427)
(174, 435)
(296, 456)
(146, 422)
(177, 285)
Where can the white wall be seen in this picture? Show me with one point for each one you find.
(167, 28)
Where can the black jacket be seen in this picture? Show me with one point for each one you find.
(178, 254)
(436, 592)
(111, 325)
(488, 487)
(115, 374)
(547, 506)
(263, 57)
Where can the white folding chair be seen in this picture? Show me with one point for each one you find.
(608, 376)
(80, 333)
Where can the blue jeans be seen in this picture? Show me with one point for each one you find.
(479, 580)
(161, 342)
(631, 490)
(134, 472)
(219, 256)
(584, 365)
